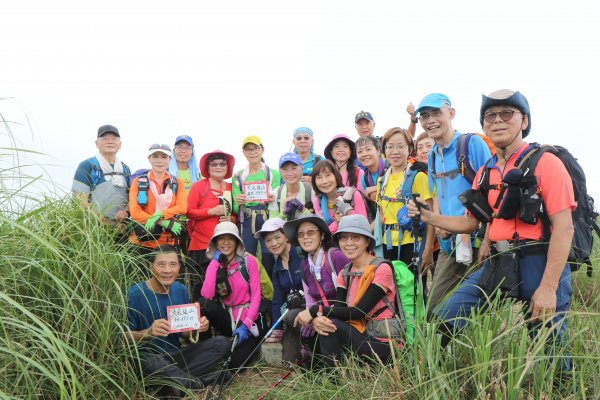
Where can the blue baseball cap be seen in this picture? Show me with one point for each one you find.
(184, 138)
(433, 100)
(363, 115)
(290, 157)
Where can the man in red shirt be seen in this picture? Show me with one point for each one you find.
(524, 265)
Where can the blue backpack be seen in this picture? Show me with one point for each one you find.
(97, 175)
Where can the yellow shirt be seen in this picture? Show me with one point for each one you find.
(389, 210)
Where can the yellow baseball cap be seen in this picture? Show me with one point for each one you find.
(252, 139)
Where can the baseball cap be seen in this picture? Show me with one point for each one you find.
(433, 100)
(363, 115)
(252, 139)
(270, 225)
(104, 129)
(159, 148)
(290, 157)
(184, 138)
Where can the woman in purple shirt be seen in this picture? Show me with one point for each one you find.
(320, 267)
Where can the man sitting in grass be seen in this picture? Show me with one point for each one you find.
(160, 353)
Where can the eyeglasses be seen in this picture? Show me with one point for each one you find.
(157, 146)
(401, 147)
(251, 150)
(435, 113)
(217, 164)
(308, 233)
(353, 237)
(183, 147)
(505, 115)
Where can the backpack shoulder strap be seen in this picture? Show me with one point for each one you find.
(307, 198)
(407, 186)
(95, 174)
(462, 157)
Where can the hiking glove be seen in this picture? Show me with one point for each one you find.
(153, 220)
(242, 332)
(176, 227)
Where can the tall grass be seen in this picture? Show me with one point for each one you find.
(494, 357)
(62, 295)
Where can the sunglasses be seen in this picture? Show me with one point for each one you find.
(308, 233)
(505, 115)
(157, 146)
(217, 164)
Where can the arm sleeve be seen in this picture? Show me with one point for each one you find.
(479, 152)
(180, 206)
(421, 186)
(359, 178)
(275, 179)
(82, 181)
(210, 280)
(195, 206)
(556, 184)
(235, 190)
(371, 297)
(135, 210)
(254, 273)
(274, 209)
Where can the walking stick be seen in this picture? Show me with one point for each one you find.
(221, 376)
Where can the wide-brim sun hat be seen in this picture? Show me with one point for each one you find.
(355, 223)
(225, 228)
(290, 228)
(270, 225)
(204, 163)
(506, 97)
(329, 147)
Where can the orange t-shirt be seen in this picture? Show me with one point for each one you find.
(556, 189)
(384, 277)
(141, 214)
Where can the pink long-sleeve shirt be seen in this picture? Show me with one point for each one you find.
(241, 292)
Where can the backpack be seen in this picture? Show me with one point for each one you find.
(371, 206)
(584, 216)
(308, 204)
(266, 286)
(143, 184)
(96, 174)
(405, 303)
(465, 167)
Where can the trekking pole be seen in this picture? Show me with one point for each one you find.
(221, 377)
(416, 259)
(237, 371)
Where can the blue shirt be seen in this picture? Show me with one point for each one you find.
(284, 280)
(144, 306)
(449, 188)
(308, 165)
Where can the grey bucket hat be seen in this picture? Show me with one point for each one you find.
(355, 223)
(225, 228)
(290, 228)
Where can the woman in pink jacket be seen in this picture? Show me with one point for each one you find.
(231, 291)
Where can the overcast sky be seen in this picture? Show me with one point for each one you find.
(219, 71)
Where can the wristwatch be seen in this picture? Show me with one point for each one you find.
(320, 312)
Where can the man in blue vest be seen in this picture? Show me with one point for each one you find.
(435, 114)
(102, 181)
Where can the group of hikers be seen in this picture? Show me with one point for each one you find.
(311, 252)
